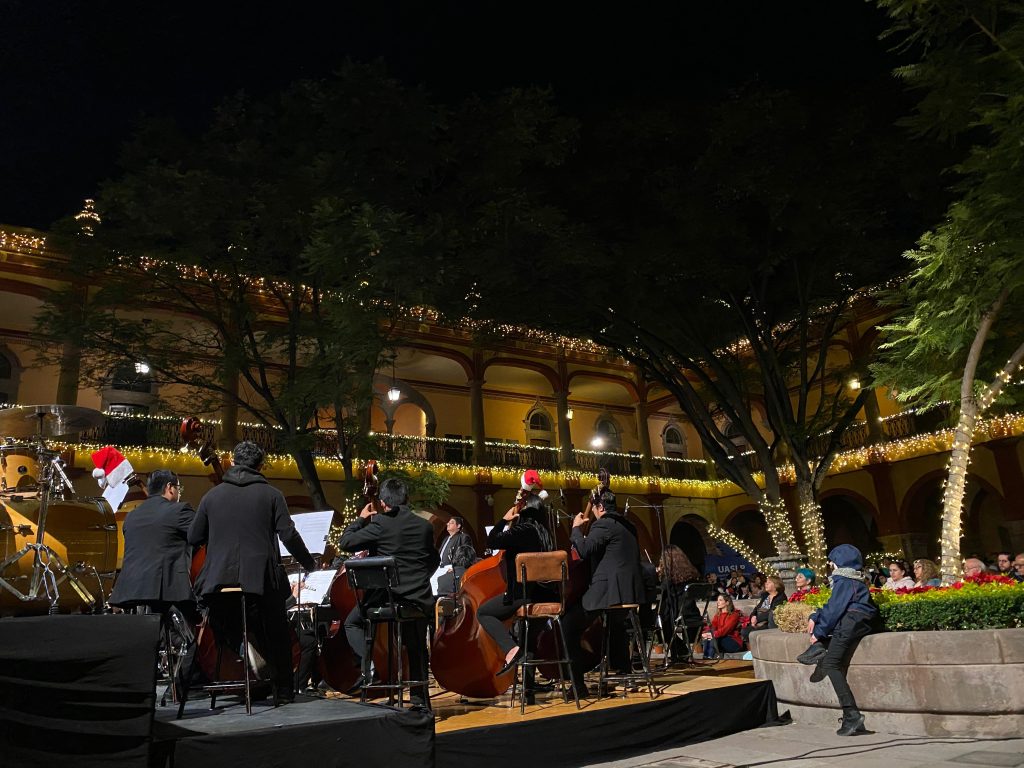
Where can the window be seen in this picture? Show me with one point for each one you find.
(539, 426)
(130, 390)
(673, 442)
(128, 378)
(540, 422)
(607, 435)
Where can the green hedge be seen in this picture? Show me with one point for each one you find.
(956, 609)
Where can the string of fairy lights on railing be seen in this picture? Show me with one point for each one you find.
(21, 243)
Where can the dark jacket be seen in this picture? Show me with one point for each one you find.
(238, 520)
(848, 594)
(765, 609)
(523, 536)
(453, 544)
(613, 553)
(409, 539)
(156, 554)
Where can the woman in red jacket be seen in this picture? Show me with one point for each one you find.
(725, 628)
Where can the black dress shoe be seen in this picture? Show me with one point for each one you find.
(851, 724)
(813, 653)
(510, 664)
(356, 687)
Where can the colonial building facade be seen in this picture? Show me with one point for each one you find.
(479, 414)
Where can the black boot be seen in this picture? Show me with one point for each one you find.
(852, 723)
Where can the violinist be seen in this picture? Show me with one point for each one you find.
(611, 548)
(388, 527)
(238, 520)
(523, 529)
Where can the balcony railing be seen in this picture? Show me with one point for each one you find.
(163, 432)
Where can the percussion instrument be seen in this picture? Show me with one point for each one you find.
(53, 421)
(81, 533)
(19, 468)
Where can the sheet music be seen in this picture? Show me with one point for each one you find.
(316, 586)
(313, 527)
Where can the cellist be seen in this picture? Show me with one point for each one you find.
(523, 529)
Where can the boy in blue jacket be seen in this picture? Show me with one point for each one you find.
(837, 628)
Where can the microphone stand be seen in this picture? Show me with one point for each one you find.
(658, 509)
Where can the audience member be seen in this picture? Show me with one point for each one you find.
(1018, 567)
(725, 629)
(926, 573)
(1004, 563)
(973, 567)
(756, 587)
(763, 615)
(899, 577)
(676, 572)
(804, 580)
(737, 586)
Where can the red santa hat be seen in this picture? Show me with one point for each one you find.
(112, 468)
(530, 481)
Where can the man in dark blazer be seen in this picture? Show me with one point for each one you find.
(455, 551)
(610, 548)
(240, 521)
(155, 569)
(393, 530)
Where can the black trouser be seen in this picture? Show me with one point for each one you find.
(269, 632)
(839, 649)
(576, 622)
(414, 639)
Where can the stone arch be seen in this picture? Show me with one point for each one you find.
(439, 518)
(749, 524)
(512, 362)
(686, 535)
(410, 396)
(627, 384)
(849, 518)
(464, 362)
(921, 509)
(985, 531)
(10, 375)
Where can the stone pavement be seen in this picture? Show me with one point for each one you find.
(811, 746)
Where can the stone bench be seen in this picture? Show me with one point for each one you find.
(915, 683)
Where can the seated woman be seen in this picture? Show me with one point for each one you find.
(725, 629)
(805, 579)
(763, 615)
(899, 576)
(926, 573)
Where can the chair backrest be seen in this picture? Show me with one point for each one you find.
(548, 567)
(372, 573)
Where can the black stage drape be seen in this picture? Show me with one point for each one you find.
(77, 689)
(611, 734)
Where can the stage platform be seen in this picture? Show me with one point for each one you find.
(337, 731)
(311, 731)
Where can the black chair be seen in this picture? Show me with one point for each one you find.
(375, 579)
(636, 650)
(695, 592)
(177, 645)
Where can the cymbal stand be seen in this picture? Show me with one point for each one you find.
(49, 571)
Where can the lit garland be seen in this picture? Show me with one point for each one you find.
(777, 519)
(813, 526)
(349, 512)
(16, 241)
(734, 541)
(87, 216)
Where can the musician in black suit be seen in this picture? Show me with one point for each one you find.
(456, 553)
(392, 529)
(240, 521)
(610, 547)
(157, 557)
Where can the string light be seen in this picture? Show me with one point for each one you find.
(732, 540)
(21, 243)
(776, 517)
(813, 526)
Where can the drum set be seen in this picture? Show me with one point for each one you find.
(59, 550)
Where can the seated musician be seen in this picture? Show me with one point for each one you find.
(522, 530)
(157, 557)
(457, 553)
(393, 530)
(611, 549)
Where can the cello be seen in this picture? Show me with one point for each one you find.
(463, 657)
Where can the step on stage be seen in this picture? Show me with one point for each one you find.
(338, 731)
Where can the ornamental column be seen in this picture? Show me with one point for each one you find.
(642, 430)
(566, 457)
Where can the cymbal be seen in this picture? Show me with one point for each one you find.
(48, 420)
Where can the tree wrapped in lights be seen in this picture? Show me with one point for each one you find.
(964, 296)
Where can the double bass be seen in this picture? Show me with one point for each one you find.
(463, 657)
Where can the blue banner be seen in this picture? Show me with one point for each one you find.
(730, 560)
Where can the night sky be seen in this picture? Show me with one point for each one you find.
(77, 77)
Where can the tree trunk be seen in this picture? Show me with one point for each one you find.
(307, 471)
(812, 525)
(776, 516)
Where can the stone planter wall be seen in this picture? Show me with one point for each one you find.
(915, 683)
